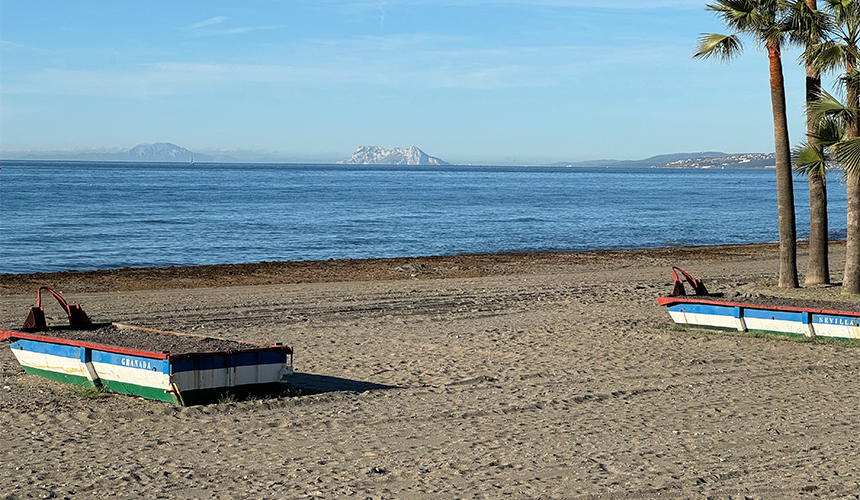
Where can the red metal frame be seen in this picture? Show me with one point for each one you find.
(698, 286)
(36, 316)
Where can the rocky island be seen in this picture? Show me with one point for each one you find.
(375, 155)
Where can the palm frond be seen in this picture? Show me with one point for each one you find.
(733, 11)
(833, 4)
(848, 155)
(846, 26)
(747, 16)
(718, 46)
(830, 131)
(808, 160)
(825, 105)
(851, 80)
(806, 26)
(843, 10)
(825, 56)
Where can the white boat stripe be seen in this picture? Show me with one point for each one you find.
(715, 320)
(840, 331)
(137, 376)
(42, 361)
(227, 377)
(775, 325)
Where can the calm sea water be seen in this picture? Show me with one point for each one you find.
(57, 216)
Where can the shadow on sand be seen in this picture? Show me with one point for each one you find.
(309, 383)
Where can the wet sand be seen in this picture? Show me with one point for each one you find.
(512, 376)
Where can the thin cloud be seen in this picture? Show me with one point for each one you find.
(20, 45)
(209, 22)
(355, 64)
(234, 31)
(198, 28)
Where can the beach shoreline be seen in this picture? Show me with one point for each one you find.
(373, 269)
(518, 375)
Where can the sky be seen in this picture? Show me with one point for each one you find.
(474, 81)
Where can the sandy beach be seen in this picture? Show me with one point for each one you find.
(502, 376)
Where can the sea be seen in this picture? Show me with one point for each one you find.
(63, 215)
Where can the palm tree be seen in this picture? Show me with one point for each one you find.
(830, 117)
(765, 21)
(808, 28)
(842, 52)
(833, 118)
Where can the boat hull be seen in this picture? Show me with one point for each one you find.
(795, 321)
(181, 379)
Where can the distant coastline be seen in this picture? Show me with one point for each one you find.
(166, 152)
(703, 160)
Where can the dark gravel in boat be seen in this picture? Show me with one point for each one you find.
(132, 338)
(767, 300)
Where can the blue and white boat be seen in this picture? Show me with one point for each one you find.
(180, 378)
(782, 320)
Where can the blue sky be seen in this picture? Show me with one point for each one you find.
(474, 81)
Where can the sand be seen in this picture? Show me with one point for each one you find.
(518, 376)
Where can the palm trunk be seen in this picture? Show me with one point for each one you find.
(784, 181)
(818, 265)
(851, 282)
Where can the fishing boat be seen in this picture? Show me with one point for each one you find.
(706, 310)
(181, 378)
(193, 374)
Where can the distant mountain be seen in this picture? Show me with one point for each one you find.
(375, 155)
(161, 151)
(705, 159)
(158, 152)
